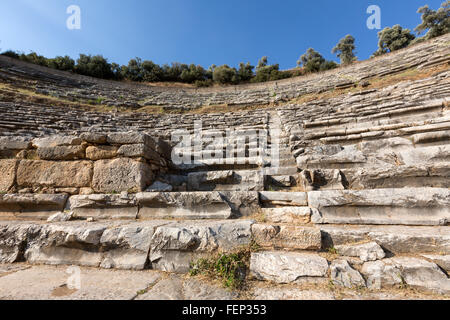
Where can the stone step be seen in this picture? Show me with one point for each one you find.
(394, 239)
(250, 180)
(291, 215)
(283, 198)
(402, 206)
(300, 267)
(162, 245)
(280, 171)
(147, 205)
(280, 181)
(165, 205)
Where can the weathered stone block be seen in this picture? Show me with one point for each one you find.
(185, 205)
(176, 245)
(127, 246)
(287, 237)
(61, 153)
(101, 152)
(121, 175)
(31, 206)
(8, 176)
(55, 141)
(284, 267)
(54, 174)
(403, 206)
(139, 150)
(342, 274)
(369, 251)
(103, 206)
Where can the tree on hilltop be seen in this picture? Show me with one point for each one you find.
(313, 61)
(392, 39)
(345, 50)
(436, 22)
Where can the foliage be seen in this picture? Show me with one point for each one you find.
(225, 75)
(345, 50)
(62, 63)
(392, 39)
(94, 66)
(245, 72)
(312, 61)
(230, 268)
(436, 22)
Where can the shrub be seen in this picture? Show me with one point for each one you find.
(313, 61)
(436, 22)
(230, 268)
(345, 50)
(193, 74)
(265, 72)
(245, 71)
(62, 63)
(94, 66)
(11, 54)
(392, 39)
(225, 75)
(150, 71)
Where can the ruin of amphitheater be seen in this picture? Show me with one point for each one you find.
(350, 185)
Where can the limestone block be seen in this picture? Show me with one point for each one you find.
(184, 205)
(54, 174)
(288, 237)
(284, 267)
(101, 152)
(8, 174)
(61, 153)
(405, 206)
(66, 243)
(131, 138)
(14, 143)
(127, 246)
(415, 272)
(342, 274)
(139, 150)
(103, 206)
(176, 245)
(12, 241)
(442, 261)
(369, 251)
(31, 206)
(56, 140)
(292, 215)
(121, 175)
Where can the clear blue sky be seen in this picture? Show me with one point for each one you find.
(199, 31)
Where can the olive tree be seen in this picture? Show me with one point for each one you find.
(345, 50)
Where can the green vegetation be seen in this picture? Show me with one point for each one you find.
(312, 61)
(434, 23)
(392, 39)
(345, 50)
(229, 268)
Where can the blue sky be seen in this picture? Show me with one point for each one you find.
(199, 31)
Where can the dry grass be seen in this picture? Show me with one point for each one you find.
(375, 83)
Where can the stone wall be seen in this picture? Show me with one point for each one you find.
(84, 164)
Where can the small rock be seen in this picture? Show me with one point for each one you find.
(61, 217)
(342, 274)
(370, 251)
(159, 186)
